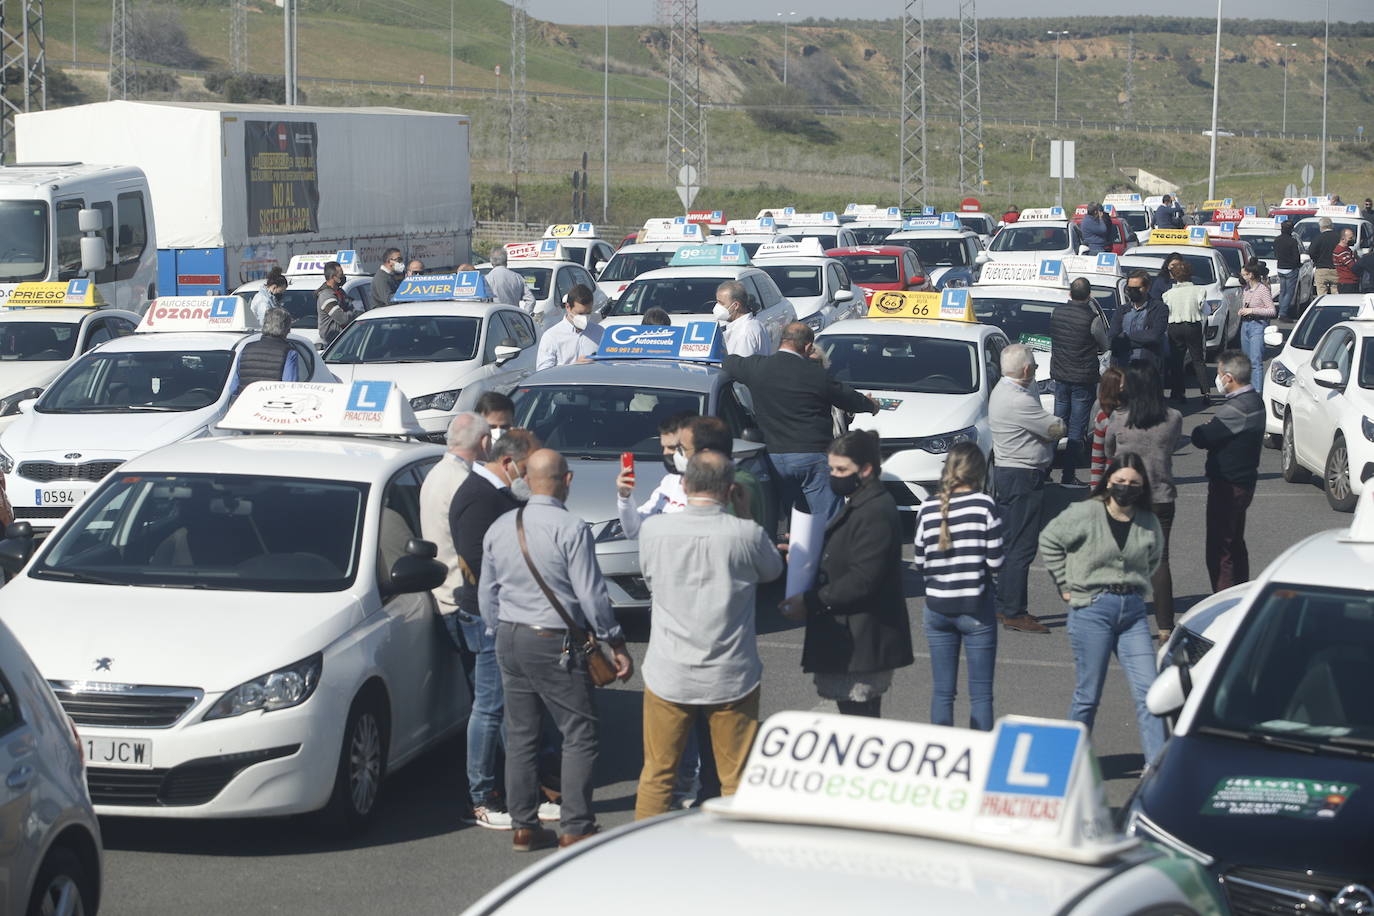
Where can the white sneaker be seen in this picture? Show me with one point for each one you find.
(548, 812)
(491, 818)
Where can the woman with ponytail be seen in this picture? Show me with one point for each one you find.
(958, 547)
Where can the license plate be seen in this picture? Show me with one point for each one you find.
(125, 753)
(52, 496)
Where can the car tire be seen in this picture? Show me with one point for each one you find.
(1336, 477)
(362, 765)
(62, 888)
(1288, 456)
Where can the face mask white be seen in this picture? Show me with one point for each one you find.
(1221, 388)
(578, 321)
(680, 462)
(398, 268)
(496, 433)
(520, 489)
(720, 312)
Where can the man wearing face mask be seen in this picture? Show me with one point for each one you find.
(743, 332)
(387, 278)
(1138, 330)
(333, 310)
(490, 491)
(499, 412)
(576, 338)
(668, 496)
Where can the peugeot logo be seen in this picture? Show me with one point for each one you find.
(1354, 900)
(103, 664)
(72, 456)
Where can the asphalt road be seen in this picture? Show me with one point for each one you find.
(420, 859)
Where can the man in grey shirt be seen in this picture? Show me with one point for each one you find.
(703, 566)
(540, 668)
(508, 287)
(1024, 436)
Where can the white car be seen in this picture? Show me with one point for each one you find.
(853, 815)
(951, 255)
(1324, 312)
(550, 275)
(828, 236)
(1328, 428)
(687, 290)
(1103, 273)
(931, 380)
(870, 223)
(172, 380)
(1133, 211)
(433, 344)
(819, 287)
(1261, 233)
(749, 234)
(38, 341)
(1221, 330)
(304, 276)
(52, 839)
(581, 245)
(984, 225)
(657, 242)
(1039, 233)
(1342, 217)
(243, 625)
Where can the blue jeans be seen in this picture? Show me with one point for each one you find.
(1020, 499)
(1114, 623)
(804, 479)
(1072, 402)
(979, 638)
(1288, 293)
(485, 736)
(1252, 345)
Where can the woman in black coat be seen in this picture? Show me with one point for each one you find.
(857, 629)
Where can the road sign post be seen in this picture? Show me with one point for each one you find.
(1062, 164)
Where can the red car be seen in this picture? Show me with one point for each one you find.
(1235, 251)
(876, 268)
(1122, 236)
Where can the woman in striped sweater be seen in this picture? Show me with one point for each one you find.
(1108, 399)
(958, 546)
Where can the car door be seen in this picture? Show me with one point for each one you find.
(1314, 409)
(19, 778)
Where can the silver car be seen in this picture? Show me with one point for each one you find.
(51, 839)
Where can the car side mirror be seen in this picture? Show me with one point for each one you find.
(751, 434)
(17, 547)
(1082, 249)
(414, 571)
(26, 405)
(982, 258)
(1328, 378)
(505, 354)
(844, 295)
(1232, 283)
(917, 280)
(1169, 691)
(93, 254)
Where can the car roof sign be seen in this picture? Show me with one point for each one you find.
(570, 231)
(1339, 211)
(724, 253)
(697, 341)
(168, 314)
(1193, 235)
(1260, 222)
(1041, 213)
(669, 230)
(81, 293)
(808, 247)
(828, 218)
(1120, 199)
(1049, 272)
(464, 286)
(544, 249)
(1030, 785)
(1104, 263)
(361, 407)
(310, 264)
(947, 305)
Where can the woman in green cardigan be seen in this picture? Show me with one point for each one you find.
(1101, 553)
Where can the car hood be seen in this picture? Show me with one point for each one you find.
(1193, 766)
(414, 379)
(169, 636)
(918, 414)
(17, 376)
(36, 435)
(592, 497)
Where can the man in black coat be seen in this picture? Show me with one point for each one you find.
(1077, 339)
(792, 396)
(1322, 249)
(387, 278)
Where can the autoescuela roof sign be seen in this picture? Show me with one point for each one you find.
(80, 293)
(466, 285)
(196, 313)
(726, 254)
(308, 264)
(1029, 785)
(361, 407)
(698, 341)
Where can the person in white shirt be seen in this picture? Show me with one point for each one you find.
(574, 339)
(743, 332)
(508, 287)
(668, 496)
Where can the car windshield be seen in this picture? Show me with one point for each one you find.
(1204, 270)
(301, 303)
(828, 240)
(37, 341)
(537, 279)
(1024, 321)
(1232, 257)
(142, 381)
(938, 252)
(794, 281)
(979, 224)
(408, 339)
(214, 531)
(899, 363)
(1031, 238)
(1315, 322)
(1263, 245)
(871, 268)
(871, 235)
(1367, 363)
(1135, 219)
(601, 421)
(23, 240)
(675, 295)
(627, 265)
(1307, 231)
(1299, 672)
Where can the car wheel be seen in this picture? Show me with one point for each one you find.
(1288, 456)
(362, 765)
(63, 888)
(1339, 496)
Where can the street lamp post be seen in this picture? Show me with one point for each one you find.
(1216, 92)
(606, 119)
(1326, 58)
(790, 14)
(1284, 59)
(1057, 36)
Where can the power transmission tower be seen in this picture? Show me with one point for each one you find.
(970, 99)
(22, 56)
(663, 12)
(686, 131)
(1128, 103)
(121, 77)
(519, 157)
(911, 183)
(238, 36)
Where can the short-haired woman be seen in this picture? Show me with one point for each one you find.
(1256, 311)
(1187, 308)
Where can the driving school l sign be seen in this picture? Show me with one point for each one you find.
(697, 341)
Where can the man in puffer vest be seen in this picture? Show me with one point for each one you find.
(1077, 339)
(270, 358)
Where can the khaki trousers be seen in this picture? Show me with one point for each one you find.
(666, 725)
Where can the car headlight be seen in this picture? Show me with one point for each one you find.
(610, 531)
(280, 689)
(1279, 374)
(940, 444)
(440, 400)
(10, 406)
(814, 322)
(1366, 424)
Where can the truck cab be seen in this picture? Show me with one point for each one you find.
(64, 221)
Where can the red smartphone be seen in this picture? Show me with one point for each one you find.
(627, 462)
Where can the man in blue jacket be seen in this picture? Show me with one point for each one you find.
(1168, 215)
(1095, 229)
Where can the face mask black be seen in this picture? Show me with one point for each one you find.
(845, 486)
(1125, 494)
(1136, 293)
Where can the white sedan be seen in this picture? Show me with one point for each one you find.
(1297, 351)
(819, 287)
